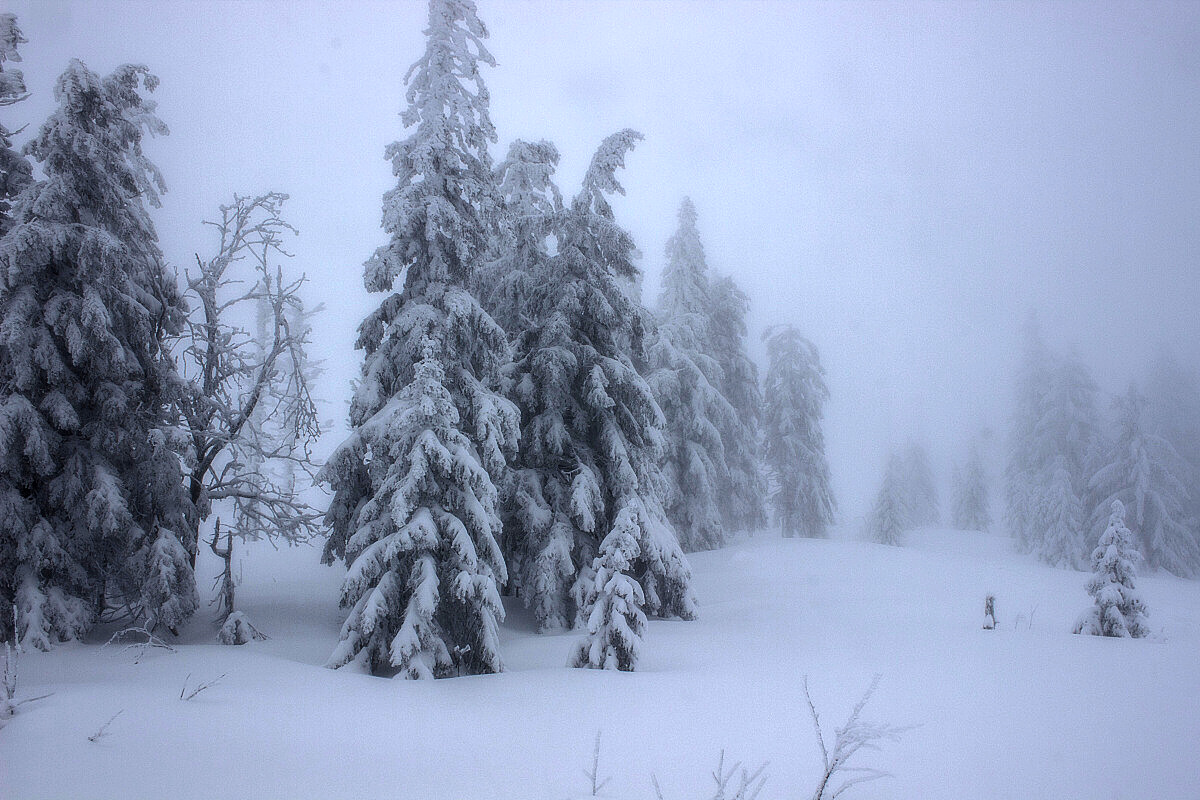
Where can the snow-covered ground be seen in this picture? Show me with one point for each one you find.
(1026, 711)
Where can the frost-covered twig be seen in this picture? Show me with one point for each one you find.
(8, 702)
(103, 731)
(855, 735)
(200, 687)
(594, 775)
(747, 787)
(139, 648)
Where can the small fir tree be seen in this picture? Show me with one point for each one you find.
(613, 607)
(1118, 609)
(794, 400)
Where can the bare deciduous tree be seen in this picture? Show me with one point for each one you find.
(249, 411)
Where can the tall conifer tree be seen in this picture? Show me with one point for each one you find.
(971, 504)
(794, 397)
(93, 504)
(743, 497)
(414, 511)
(686, 381)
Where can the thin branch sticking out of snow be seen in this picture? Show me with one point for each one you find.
(747, 787)
(139, 648)
(8, 702)
(594, 775)
(103, 731)
(185, 695)
(855, 735)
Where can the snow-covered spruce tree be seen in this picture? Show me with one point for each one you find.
(685, 381)
(1056, 428)
(552, 504)
(1118, 609)
(1061, 519)
(890, 517)
(794, 396)
(414, 511)
(94, 510)
(971, 506)
(591, 431)
(615, 623)
(530, 204)
(1068, 439)
(1141, 472)
(1024, 466)
(919, 488)
(249, 411)
(743, 497)
(1173, 412)
(15, 170)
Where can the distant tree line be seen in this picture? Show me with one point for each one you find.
(1067, 463)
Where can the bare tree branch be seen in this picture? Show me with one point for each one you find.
(250, 413)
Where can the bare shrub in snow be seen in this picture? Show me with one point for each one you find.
(855, 735)
(593, 775)
(989, 613)
(238, 630)
(102, 731)
(746, 787)
(185, 695)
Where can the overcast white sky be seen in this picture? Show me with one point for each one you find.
(905, 182)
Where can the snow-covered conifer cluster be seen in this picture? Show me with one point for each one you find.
(524, 425)
(1066, 465)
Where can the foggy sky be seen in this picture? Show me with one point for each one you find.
(904, 182)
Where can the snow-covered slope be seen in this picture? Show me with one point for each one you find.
(1026, 711)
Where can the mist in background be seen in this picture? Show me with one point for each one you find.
(904, 182)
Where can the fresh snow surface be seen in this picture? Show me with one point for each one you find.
(1025, 711)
